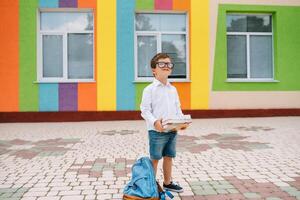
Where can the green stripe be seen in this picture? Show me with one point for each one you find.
(139, 87)
(144, 4)
(28, 90)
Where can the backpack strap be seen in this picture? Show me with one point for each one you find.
(169, 194)
(162, 196)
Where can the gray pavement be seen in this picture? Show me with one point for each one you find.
(233, 158)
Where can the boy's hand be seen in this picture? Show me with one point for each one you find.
(184, 126)
(158, 125)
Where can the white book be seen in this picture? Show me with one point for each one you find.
(176, 123)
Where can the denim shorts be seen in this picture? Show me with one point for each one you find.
(162, 144)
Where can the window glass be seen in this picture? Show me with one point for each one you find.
(251, 23)
(80, 55)
(161, 32)
(249, 46)
(236, 23)
(67, 46)
(66, 21)
(236, 56)
(160, 22)
(52, 56)
(146, 47)
(175, 46)
(261, 57)
(259, 23)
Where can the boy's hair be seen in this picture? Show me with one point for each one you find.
(157, 57)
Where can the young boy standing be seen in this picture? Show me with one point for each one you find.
(160, 101)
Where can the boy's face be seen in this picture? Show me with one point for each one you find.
(162, 72)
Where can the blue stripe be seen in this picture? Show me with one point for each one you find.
(48, 92)
(48, 3)
(125, 55)
(48, 97)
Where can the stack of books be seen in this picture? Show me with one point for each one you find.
(176, 123)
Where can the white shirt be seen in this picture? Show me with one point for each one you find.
(159, 101)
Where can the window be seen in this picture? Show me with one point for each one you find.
(249, 47)
(66, 46)
(161, 32)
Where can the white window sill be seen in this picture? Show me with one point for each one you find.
(235, 80)
(170, 80)
(67, 81)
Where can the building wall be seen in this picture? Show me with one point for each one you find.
(22, 92)
(282, 94)
(114, 88)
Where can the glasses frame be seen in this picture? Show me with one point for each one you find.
(170, 65)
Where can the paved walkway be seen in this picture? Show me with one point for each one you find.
(238, 158)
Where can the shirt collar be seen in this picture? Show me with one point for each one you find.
(157, 83)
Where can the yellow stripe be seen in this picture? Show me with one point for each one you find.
(199, 54)
(106, 55)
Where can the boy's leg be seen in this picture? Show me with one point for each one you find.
(157, 142)
(168, 183)
(155, 163)
(169, 153)
(167, 169)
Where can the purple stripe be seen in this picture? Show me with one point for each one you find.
(68, 3)
(68, 97)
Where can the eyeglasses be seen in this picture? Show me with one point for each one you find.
(165, 64)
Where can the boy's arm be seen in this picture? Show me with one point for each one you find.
(146, 108)
(179, 111)
(178, 105)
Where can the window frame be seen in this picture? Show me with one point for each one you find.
(247, 35)
(40, 33)
(158, 34)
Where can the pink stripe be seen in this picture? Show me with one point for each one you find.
(163, 4)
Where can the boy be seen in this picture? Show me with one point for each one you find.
(160, 101)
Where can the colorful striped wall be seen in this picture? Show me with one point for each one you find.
(194, 94)
(114, 88)
(182, 88)
(19, 79)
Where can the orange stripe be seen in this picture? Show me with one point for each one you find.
(87, 97)
(181, 5)
(87, 4)
(184, 92)
(184, 89)
(87, 92)
(9, 55)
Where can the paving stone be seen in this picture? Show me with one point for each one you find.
(75, 197)
(35, 194)
(251, 195)
(48, 198)
(222, 191)
(205, 192)
(232, 191)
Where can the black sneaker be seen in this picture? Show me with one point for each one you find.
(173, 187)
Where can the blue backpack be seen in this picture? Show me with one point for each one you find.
(143, 184)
